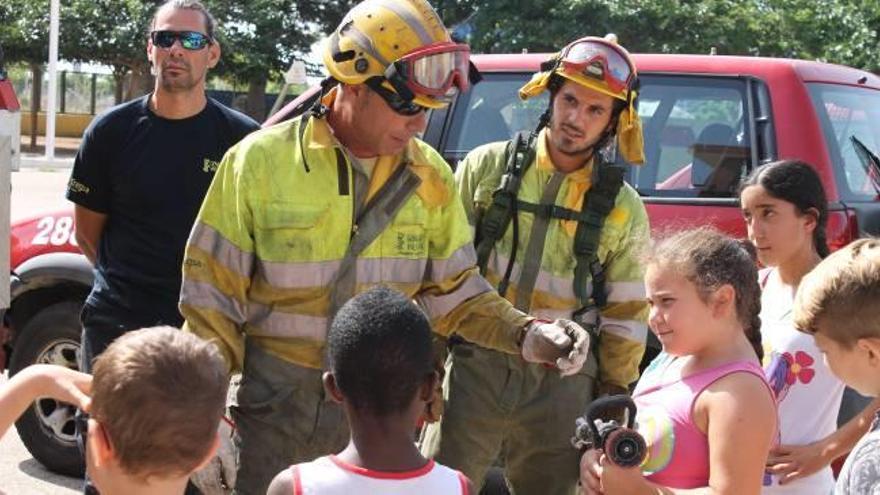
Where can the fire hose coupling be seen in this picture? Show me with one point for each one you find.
(623, 445)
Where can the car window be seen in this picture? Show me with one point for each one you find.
(493, 111)
(695, 137)
(844, 112)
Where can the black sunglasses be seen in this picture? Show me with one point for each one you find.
(190, 40)
(400, 105)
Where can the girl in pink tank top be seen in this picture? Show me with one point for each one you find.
(704, 407)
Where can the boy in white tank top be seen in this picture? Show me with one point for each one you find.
(379, 354)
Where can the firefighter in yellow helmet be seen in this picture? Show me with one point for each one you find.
(303, 215)
(568, 249)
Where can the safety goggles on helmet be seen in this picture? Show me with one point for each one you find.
(598, 59)
(190, 40)
(439, 71)
(396, 102)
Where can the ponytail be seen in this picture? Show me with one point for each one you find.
(753, 333)
(820, 241)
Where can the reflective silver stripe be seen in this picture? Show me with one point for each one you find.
(369, 270)
(391, 270)
(292, 275)
(226, 253)
(625, 291)
(628, 329)
(560, 287)
(439, 306)
(411, 20)
(202, 295)
(321, 273)
(267, 322)
(462, 259)
(552, 314)
(365, 43)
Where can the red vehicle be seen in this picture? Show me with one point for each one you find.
(50, 281)
(708, 121)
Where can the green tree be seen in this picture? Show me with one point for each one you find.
(25, 39)
(845, 32)
(260, 39)
(502, 26)
(112, 33)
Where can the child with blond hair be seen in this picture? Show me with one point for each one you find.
(838, 302)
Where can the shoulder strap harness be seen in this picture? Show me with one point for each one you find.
(599, 200)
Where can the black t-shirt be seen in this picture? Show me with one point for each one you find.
(149, 175)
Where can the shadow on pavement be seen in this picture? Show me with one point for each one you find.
(36, 470)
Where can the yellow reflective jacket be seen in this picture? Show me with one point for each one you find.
(272, 232)
(622, 329)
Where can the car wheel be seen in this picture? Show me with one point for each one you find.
(47, 428)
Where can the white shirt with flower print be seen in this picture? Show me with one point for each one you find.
(807, 392)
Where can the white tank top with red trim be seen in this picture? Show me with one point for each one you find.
(330, 475)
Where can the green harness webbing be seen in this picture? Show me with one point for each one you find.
(599, 200)
(491, 226)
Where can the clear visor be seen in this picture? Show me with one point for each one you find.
(582, 55)
(441, 71)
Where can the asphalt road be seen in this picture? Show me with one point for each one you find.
(20, 474)
(33, 191)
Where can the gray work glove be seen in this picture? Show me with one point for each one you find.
(562, 343)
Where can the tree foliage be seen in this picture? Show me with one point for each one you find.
(263, 37)
(111, 33)
(24, 33)
(260, 38)
(845, 32)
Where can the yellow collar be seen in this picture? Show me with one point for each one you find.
(580, 180)
(319, 136)
(544, 162)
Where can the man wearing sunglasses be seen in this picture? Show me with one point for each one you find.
(140, 175)
(306, 214)
(567, 250)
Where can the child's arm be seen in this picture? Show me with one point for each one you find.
(791, 462)
(740, 422)
(282, 484)
(42, 380)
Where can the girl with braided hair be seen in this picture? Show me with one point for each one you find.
(706, 411)
(786, 213)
